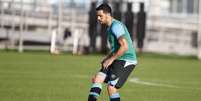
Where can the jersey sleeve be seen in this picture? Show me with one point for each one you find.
(118, 30)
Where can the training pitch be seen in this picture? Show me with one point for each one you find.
(39, 76)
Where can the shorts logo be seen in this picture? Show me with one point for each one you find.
(113, 76)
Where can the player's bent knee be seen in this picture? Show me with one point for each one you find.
(111, 89)
(98, 79)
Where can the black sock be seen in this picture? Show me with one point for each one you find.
(115, 99)
(95, 92)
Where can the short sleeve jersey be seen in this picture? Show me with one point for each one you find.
(114, 32)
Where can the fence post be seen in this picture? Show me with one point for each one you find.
(20, 48)
(199, 32)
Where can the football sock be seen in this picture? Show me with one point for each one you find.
(95, 91)
(115, 97)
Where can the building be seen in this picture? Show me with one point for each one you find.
(173, 26)
(25, 21)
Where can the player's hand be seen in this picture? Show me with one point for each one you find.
(107, 62)
(103, 60)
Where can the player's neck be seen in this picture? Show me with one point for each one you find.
(110, 21)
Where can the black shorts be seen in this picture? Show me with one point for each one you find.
(117, 73)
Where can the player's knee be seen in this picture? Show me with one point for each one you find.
(97, 79)
(111, 89)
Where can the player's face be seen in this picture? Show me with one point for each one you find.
(101, 16)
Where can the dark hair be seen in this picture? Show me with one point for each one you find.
(105, 7)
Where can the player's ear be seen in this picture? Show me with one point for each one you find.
(108, 14)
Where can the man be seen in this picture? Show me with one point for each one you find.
(141, 27)
(118, 65)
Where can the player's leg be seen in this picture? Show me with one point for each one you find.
(96, 86)
(113, 93)
(119, 73)
(113, 77)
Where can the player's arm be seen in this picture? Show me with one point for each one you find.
(122, 49)
(107, 57)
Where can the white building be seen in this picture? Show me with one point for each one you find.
(173, 26)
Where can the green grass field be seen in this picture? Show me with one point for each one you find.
(39, 76)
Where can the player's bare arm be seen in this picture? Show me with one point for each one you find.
(105, 58)
(122, 49)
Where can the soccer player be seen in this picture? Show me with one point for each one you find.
(118, 65)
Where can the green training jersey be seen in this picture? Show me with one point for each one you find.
(116, 30)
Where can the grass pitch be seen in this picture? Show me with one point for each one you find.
(39, 76)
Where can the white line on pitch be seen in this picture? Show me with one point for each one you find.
(138, 81)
